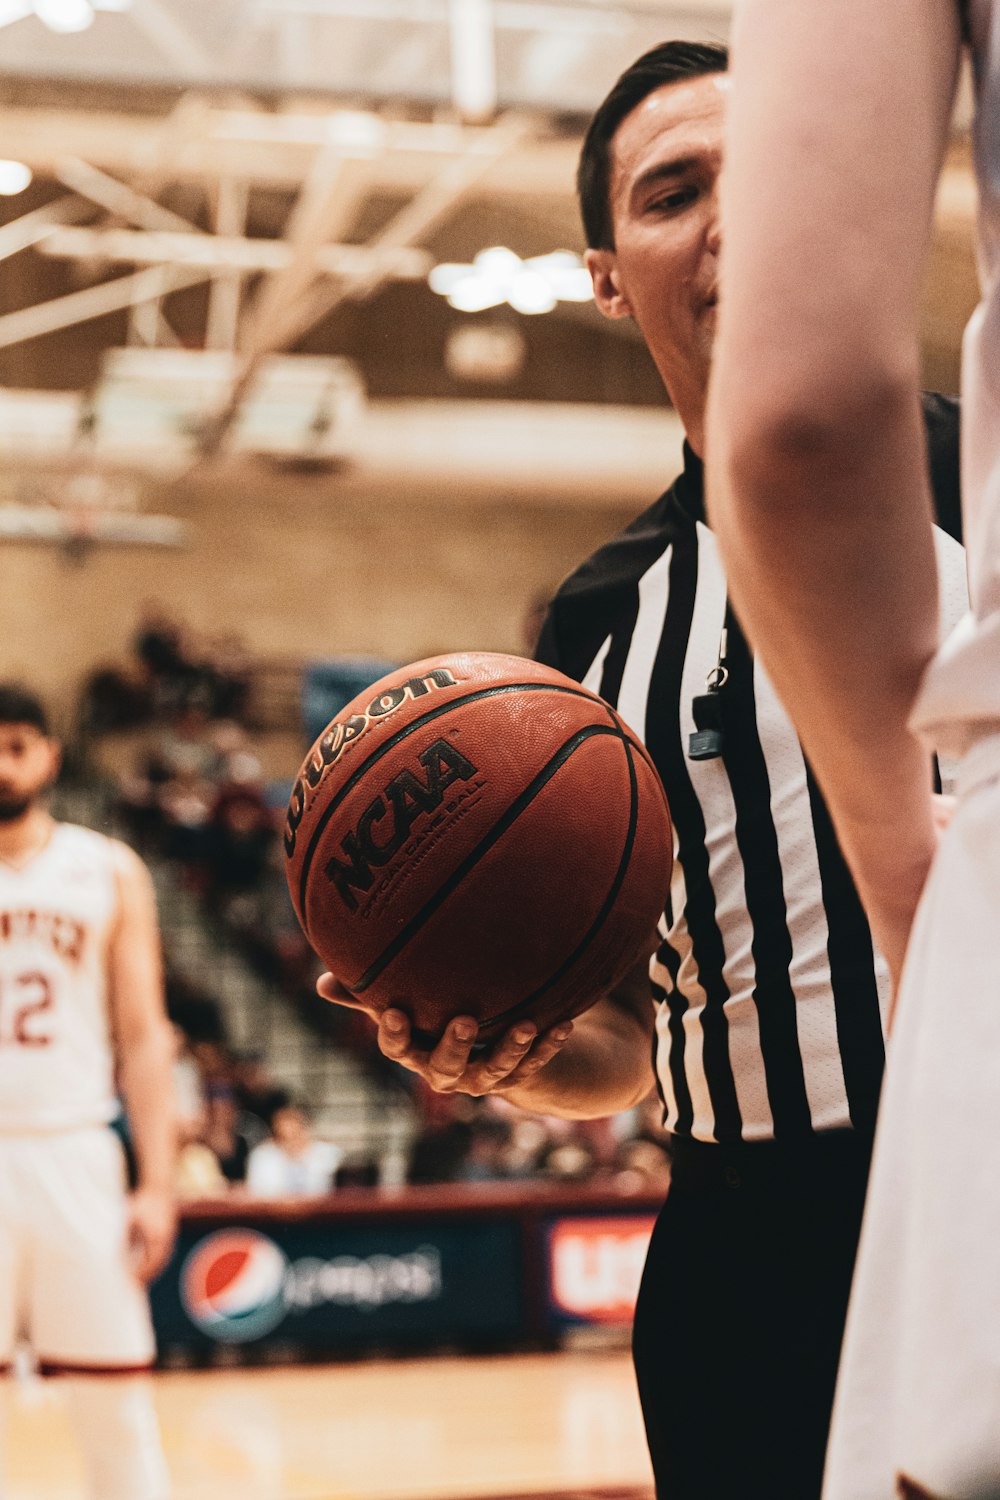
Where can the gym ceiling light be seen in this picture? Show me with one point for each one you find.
(62, 16)
(14, 178)
(499, 275)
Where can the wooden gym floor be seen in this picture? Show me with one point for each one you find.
(553, 1425)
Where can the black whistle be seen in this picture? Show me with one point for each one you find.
(707, 740)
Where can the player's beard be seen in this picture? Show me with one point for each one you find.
(12, 808)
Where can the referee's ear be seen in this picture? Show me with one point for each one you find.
(608, 294)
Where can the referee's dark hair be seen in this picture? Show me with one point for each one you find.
(18, 706)
(670, 62)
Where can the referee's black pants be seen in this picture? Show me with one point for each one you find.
(741, 1313)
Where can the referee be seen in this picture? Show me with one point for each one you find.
(768, 999)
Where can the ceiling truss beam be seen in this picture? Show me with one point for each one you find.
(275, 150)
(218, 253)
(92, 302)
(35, 227)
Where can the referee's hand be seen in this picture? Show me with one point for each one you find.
(450, 1067)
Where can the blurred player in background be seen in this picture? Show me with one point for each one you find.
(766, 1034)
(842, 114)
(80, 996)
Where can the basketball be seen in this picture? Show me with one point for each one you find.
(478, 834)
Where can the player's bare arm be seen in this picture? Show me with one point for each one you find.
(593, 1066)
(143, 1050)
(817, 482)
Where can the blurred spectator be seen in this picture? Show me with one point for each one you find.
(642, 1164)
(236, 764)
(601, 1137)
(489, 1140)
(528, 1139)
(187, 1081)
(113, 699)
(157, 642)
(365, 1172)
(239, 840)
(197, 1173)
(439, 1152)
(195, 1011)
(258, 1095)
(186, 803)
(186, 746)
(487, 1158)
(171, 794)
(158, 647)
(568, 1161)
(139, 794)
(292, 1164)
(222, 1133)
(280, 949)
(171, 672)
(226, 670)
(214, 1062)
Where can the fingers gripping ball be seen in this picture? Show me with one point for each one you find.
(478, 833)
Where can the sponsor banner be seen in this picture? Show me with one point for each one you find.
(330, 1286)
(595, 1266)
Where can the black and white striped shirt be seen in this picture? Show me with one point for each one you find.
(770, 999)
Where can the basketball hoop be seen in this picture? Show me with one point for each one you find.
(85, 502)
(80, 535)
(76, 528)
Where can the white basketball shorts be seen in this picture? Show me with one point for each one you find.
(919, 1387)
(65, 1283)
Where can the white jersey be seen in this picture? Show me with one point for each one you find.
(918, 1392)
(56, 916)
(960, 698)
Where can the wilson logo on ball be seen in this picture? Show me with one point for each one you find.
(233, 1285)
(332, 744)
(406, 797)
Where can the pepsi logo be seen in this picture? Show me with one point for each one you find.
(233, 1285)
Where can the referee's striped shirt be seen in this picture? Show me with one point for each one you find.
(770, 999)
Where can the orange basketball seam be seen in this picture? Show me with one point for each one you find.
(502, 825)
(506, 1016)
